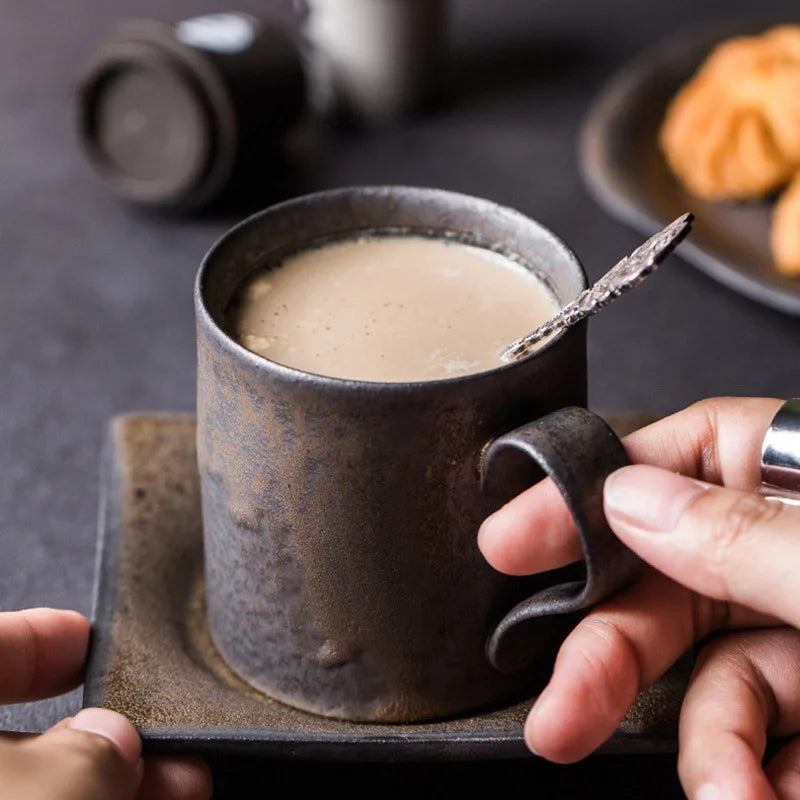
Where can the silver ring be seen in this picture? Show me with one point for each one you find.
(780, 455)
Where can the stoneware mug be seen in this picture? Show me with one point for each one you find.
(340, 516)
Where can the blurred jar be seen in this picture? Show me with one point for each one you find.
(377, 60)
(171, 115)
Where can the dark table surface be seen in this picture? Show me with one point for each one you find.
(96, 314)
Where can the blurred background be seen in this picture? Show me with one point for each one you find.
(96, 310)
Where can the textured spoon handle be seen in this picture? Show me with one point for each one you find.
(622, 277)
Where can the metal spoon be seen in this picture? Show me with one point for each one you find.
(622, 277)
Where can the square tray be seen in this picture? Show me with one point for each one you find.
(152, 658)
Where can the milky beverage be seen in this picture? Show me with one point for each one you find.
(389, 308)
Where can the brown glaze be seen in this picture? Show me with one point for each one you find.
(152, 657)
(340, 517)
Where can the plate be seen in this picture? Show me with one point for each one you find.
(627, 174)
(153, 660)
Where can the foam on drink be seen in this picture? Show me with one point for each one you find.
(389, 308)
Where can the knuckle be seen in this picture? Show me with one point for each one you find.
(707, 457)
(722, 654)
(25, 660)
(612, 664)
(68, 764)
(714, 408)
(72, 764)
(714, 419)
(698, 453)
(744, 515)
(736, 658)
(89, 753)
(707, 615)
(714, 403)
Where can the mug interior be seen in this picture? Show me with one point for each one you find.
(270, 236)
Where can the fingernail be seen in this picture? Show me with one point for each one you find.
(708, 791)
(486, 531)
(648, 498)
(111, 726)
(541, 706)
(531, 749)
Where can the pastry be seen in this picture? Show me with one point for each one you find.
(733, 131)
(785, 232)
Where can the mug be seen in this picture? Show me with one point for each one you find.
(340, 516)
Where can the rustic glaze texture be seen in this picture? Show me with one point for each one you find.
(577, 450)
(340, 517)
(153, 660)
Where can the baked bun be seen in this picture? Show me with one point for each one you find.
(785, 233)
(733, 131)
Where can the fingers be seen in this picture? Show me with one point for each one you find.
(618, 649)
(42, 652)
(103, 748)
(163, 777)
(743, 685)
(718, 440)
(94, 756)
(784, 771)
(97, 753)
(169, 778)
(730, 545)
(109, 725)
(532, 533)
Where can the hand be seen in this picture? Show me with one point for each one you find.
(722, 558)
(95, 755)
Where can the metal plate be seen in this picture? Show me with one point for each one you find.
(625, 171)
(152, 657)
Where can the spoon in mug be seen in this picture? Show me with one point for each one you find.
(622, 277)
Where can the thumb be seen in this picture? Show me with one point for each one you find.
(94, 755)
(729, 545)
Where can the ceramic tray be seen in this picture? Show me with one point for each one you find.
(152, 657)
(625, 171)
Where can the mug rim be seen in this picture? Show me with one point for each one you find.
(236, 350)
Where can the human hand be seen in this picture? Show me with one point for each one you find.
(721, 558)
(95, 755)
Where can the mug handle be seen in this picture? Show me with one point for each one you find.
(578, 450)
